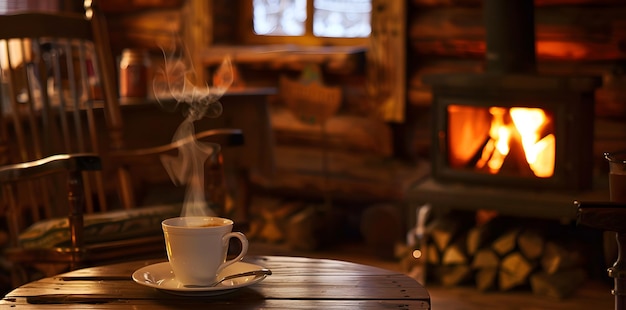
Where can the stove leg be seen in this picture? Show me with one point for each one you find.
(618, 273)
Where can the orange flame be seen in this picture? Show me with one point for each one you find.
(540, 152)
(527, 122)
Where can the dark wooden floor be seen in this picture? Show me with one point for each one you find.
(592, 295)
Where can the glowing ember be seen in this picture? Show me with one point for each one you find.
(417, 254)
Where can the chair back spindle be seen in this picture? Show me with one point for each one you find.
(59, 117)
(48, 105)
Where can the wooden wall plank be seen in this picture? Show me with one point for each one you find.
(461, 3)
(125, 6)
(564, 33)
(149, 30)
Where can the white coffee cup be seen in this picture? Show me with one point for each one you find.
(197, 247)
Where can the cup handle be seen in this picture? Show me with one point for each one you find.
(244, 248)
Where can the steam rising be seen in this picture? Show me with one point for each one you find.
(175, 82)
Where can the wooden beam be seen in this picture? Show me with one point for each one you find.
(197, 34)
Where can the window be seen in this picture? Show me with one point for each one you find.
(310, 21)
(11, 6)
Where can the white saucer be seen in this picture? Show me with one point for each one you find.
(161, 276)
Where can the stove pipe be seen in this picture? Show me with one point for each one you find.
(510, 36)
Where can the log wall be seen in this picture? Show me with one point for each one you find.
(574, 37)
(354, 134)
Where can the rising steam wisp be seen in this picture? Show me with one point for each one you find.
(175, 82)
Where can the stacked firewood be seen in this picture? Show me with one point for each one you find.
(504, 254)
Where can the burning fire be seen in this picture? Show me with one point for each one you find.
(510, 129)
(539, 151)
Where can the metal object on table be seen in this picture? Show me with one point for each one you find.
(609, 216)
(255, 273)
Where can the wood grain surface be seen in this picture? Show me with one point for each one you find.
(295, 283)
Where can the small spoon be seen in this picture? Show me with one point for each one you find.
(255, 273)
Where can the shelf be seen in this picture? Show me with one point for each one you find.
(345, 59)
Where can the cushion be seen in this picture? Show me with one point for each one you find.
(100, 227)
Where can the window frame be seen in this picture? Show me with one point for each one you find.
(249, 37)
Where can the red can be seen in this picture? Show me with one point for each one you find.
(134, 65)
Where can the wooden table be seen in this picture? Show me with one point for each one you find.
(295, 283)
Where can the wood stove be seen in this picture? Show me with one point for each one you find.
(511, 126)
(474, 115)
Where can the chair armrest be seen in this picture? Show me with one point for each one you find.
(49, 165)
(222, 136)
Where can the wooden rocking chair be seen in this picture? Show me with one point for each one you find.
(62, 150)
